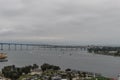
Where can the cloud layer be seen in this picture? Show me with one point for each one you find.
(73, 21)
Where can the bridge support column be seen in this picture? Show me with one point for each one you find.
(1, 47)
(15, 47)
(20, 46)
(9, 48)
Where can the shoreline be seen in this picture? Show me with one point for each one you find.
(47, 68)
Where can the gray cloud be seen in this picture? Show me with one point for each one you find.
(76, 21)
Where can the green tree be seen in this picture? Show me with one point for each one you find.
(35, 66)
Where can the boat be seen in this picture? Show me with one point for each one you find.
(3, 57)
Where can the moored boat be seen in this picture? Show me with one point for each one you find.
(3, 55)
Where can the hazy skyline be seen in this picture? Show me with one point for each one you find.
(60, 21)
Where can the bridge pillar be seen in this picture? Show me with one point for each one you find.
(15, 47)
(20, 46)
(1, 46)
(9, 47)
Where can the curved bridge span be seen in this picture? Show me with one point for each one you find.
(24, 46)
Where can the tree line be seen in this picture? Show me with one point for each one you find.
(114, 51)
(14, 72)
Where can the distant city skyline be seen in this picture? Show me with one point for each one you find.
(84, 22)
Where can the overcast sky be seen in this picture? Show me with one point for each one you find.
(60, 21)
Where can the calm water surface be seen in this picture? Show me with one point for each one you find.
(76, 59)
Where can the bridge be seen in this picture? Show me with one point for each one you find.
(23, 46)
